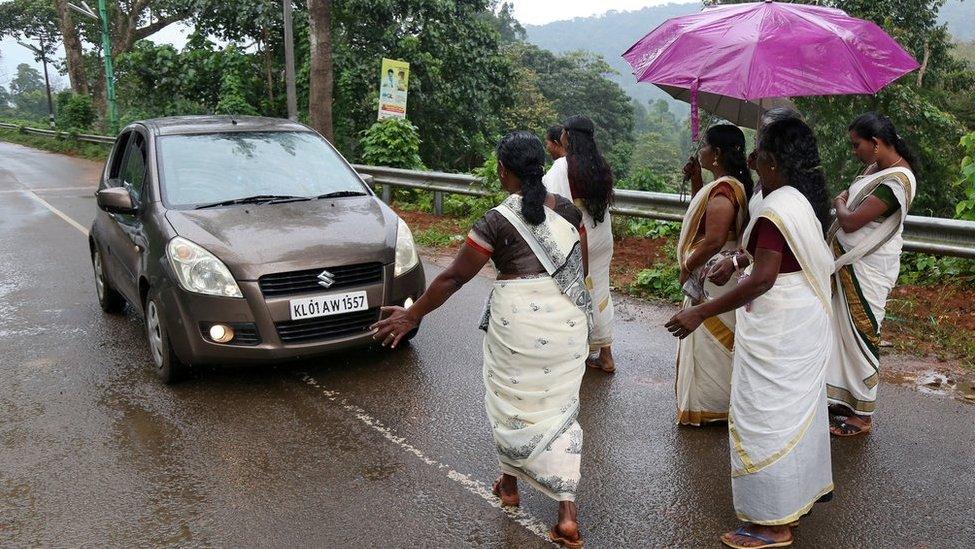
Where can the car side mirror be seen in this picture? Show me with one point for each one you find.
(367, 179)
(115, 200)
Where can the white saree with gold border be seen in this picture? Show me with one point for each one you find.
(599, 249)
(704, 367)
(867, 265)
(535, 348)
(778, 428)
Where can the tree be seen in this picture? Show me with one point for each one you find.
(320, 79)
(27, 92)
(577, 83)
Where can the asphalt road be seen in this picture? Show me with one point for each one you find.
(375, 448)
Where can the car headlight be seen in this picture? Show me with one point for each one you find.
(199, 271)
(406, 252)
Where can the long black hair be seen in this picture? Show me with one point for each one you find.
(522, 153)
(554, 133)
(871, 125)
(776, 114)
(732, 142)
(590, 177)
(792, 143)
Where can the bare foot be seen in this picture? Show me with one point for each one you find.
(755, 535)
(506, 488)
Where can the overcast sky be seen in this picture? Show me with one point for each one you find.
(538, 12)
(528, 12)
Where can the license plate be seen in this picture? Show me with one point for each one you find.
(328, 305)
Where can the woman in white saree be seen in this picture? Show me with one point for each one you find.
(779, 444)
(710, 231)
(866, 240)
(537, 323)
(584, 177)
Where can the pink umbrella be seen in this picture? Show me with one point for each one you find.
(768, 50)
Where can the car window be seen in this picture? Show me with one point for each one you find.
(134, 173)
(202, 169)
(118, 154)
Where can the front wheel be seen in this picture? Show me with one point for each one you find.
(169, 368)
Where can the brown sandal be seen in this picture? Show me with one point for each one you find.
(507, 501)
(557, 538)
(596, 365)
(839, 427)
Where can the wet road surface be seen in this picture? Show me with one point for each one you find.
(376, 448)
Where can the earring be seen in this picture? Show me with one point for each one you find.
(715, 162)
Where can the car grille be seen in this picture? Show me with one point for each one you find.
(300, 282)
(329, 327)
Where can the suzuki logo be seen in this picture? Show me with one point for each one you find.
(326, 279)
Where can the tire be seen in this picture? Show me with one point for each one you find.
(168, 366)
(109, 300)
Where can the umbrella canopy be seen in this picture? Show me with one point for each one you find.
(768, 49)
(737, 111)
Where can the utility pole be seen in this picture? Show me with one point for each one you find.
(289, 63)
(41, 54)
(113, 113)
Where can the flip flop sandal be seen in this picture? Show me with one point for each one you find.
(597, 366)
(849, 429)
(507, 501)
(767, 543)
(557, 538)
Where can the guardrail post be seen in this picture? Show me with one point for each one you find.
(388, 193)
(438, 203)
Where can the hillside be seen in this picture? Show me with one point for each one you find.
(612, 33)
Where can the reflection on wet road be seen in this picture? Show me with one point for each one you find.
(372, 447)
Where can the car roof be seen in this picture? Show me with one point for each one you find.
(176, 125)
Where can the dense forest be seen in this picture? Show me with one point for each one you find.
(475, 73)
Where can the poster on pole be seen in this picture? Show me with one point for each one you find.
(393, 89)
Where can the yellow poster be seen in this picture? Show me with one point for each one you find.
(393, 89)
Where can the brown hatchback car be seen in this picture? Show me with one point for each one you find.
(244, 240)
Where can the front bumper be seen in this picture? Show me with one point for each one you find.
(185, 313)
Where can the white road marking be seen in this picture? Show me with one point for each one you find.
(58, 213)
(476, 487)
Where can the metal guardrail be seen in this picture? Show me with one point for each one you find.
(104, 139)
(931, 235)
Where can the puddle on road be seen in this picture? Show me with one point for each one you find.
(932, 382)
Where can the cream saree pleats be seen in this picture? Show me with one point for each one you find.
(704, 368)
(535, 347)
(778, 427)
(867, 263)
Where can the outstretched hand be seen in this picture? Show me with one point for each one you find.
(392, 329)
(685, 322)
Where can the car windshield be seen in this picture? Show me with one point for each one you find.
(224, 167)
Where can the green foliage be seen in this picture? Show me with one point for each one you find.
(652, 228)
(232, 97)
(64, 145)
(661, 280)
(965, 182)
(577, 82)
(75, 112)
(434, 237)
(646, 179)
(393, 142)
(923, 269)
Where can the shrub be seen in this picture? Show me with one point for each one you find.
(392, 142)
(75, 112)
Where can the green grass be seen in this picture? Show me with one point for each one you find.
(63, 145)
(434, 237)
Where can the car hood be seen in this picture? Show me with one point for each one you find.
(258, 239)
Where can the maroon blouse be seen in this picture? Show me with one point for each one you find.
(766, 235)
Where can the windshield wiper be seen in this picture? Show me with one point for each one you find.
(338, 194)
(256, 199)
